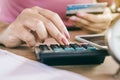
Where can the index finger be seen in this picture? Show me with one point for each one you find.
(54, 17)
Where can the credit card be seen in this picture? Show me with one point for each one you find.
(93, 8)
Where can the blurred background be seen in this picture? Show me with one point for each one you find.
(113, 4)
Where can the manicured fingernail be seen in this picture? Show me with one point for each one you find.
(67, 35)
(65, 41)
(73, 18)
(80, 14)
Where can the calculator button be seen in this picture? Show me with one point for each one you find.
(67, 47)
(56, 47)
(89, 47)
(77, 47)
(55, 54)
(44, 47)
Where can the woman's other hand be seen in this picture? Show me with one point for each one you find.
(92, 22)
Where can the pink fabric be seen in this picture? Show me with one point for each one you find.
(10, 9)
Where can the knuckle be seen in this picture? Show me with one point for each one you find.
(55, 15)
(27, 10)
(35, 7)
(28, 39)
(58, 35)
(37, 21)
(48, 23)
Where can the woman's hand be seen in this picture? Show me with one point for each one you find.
(91, 22)
(35, 25)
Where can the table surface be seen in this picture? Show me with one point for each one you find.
(104, 71)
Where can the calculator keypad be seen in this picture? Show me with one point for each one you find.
(72, 54)
(56, 47)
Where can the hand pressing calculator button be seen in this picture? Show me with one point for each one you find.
(56, 47)
(72, 54)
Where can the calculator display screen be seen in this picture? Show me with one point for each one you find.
(96, 39)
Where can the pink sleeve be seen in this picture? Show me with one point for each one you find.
(10, 9)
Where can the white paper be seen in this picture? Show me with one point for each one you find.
(14, 67)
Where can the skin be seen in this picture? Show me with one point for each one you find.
(36, 24)
(109, 1)
(93, 23)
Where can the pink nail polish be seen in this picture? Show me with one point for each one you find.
(73, 18)
(65, 42)
(81, 14)
(67, 35)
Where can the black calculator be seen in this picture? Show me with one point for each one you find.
(72, 54)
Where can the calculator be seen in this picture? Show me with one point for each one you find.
(72, 54)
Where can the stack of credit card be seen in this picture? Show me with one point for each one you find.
(94, 8)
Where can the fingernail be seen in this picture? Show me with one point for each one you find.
(80, 14)
(65, 41)
(67, 35)
(73, 18)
